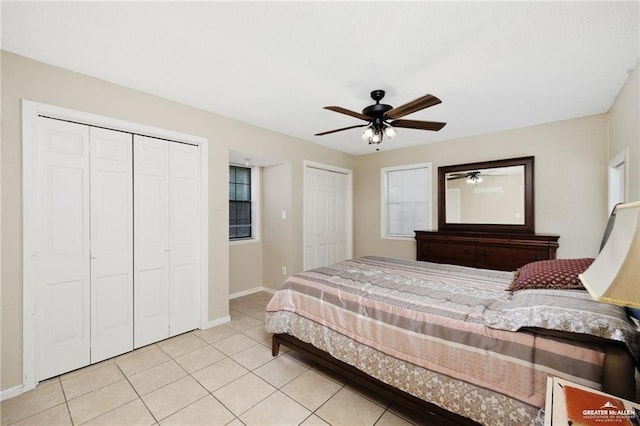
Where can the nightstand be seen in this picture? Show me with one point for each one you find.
(593, 407)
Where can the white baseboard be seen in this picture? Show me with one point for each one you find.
(251, 291)
(227, 318)
(218, 321)
(11, 392)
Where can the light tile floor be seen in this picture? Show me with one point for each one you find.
(221, 376)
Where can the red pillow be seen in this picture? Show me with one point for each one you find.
(551, 274)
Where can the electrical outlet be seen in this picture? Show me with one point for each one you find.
(284, 270)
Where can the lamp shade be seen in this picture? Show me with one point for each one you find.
(614, 276)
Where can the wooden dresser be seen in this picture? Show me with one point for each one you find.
(505, 252)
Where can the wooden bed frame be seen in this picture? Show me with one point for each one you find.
(431, 414)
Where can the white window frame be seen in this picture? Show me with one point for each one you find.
(618, 178)
(383, 199)
(256, 173)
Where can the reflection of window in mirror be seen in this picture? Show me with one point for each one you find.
(453, 205)
(617, 176)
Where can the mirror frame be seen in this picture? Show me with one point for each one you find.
(527, 227)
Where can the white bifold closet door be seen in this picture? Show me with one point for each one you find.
(325, 217)
(118, 244)
(167, 244)
(83, 262)
(62, 258)
(184, 226)
(151, 241)
(111, 243)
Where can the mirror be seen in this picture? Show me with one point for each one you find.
(491, 196)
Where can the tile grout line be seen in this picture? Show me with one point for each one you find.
(66, 401)
(211, 392)
(250, 371)
(92, 390)
(21, 419)
(327, 400)
(139, 396)
(237, 416)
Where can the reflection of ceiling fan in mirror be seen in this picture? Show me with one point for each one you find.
(382, 118)
(471, 177)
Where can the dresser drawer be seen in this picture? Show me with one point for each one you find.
(454, 253)
(508, 258)
(505, 252)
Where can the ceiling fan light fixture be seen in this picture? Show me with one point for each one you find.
(474, 179)
(376, 138)
(389, 131)
(367, 133)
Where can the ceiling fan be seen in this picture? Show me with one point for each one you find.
(382, 118)
(472, 177)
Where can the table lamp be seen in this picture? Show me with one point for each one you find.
(614, 276)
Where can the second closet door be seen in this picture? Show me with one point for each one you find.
(326, 238)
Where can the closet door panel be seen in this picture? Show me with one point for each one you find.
(185, 238)
(185, 295)
(326, 236)
(62, 271)
(151, 240)
(112, 243)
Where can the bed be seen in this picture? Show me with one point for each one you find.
(453, 341)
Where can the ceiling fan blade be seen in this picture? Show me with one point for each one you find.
(339, 130)
(416, 105)
(416, 124)
(348, 112)
(452, 176)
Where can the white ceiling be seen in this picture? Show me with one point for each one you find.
(495, 65)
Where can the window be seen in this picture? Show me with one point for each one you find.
(406, 200)
(240, 217)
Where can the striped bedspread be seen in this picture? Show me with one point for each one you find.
(445, 333)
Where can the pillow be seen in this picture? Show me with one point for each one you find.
(551, 274)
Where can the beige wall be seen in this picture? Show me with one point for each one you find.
(245, 267)
(624, 130)
(23, 78)
(570, 181)
(277, 197)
